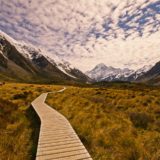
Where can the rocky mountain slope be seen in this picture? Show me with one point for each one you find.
(26, 63)
(101, 72)
(152, 76)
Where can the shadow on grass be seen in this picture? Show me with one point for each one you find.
(35, 125)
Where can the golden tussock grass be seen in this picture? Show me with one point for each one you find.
(114, 123)
(19, 125)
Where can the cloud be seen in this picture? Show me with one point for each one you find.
(120, 34)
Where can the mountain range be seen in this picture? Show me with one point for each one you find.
(149, 74)
(21, 62)
(26, 63)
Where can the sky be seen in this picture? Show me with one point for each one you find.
(118, 33)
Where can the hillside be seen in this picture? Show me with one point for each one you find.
(27, 64)
(152, 76)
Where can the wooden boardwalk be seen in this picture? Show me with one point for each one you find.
(57, 139)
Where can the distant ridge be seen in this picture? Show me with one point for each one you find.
(148, 74)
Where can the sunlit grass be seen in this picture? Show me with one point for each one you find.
(19, 125)
(114, 123)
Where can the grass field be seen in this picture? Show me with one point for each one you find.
(19, 125)
(120, 122)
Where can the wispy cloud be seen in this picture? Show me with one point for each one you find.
(115, 32)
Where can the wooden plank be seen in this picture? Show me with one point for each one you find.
(57, 139)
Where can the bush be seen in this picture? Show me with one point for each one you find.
(21, 95)
(140, 120)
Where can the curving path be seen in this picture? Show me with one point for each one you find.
(57, 139)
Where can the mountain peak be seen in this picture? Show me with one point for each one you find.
(101, 66)
(101, 73)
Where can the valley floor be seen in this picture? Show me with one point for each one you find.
(19, 124)
(117, 122)
(120, 122)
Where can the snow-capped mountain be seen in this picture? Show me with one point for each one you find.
(19, 58)
(140, 72)
(33, 53)
(152, 76)
(101, 72)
